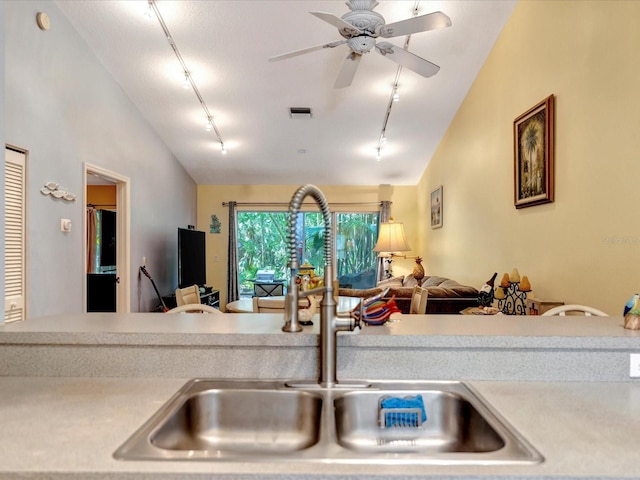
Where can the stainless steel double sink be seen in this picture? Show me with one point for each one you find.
(246, 420)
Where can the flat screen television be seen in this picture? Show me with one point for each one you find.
(192, 265)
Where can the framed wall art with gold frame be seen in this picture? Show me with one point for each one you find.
(533, 143)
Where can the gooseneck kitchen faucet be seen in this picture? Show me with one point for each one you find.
(330, 322)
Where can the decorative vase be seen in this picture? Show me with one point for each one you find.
(418, 271)
(632, 321)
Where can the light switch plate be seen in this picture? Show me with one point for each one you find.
(634, 364)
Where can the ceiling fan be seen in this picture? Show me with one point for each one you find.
(362, 26)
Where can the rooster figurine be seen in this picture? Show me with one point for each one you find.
(305, 315)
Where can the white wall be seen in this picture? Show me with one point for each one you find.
(63, 106)
(2, 142)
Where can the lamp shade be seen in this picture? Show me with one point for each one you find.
(391, 238)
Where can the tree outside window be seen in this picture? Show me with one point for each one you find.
(263, 239)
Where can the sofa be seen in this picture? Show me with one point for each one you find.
(446, 296)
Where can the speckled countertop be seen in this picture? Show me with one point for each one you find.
(74, 388)
(497, 331)
(70, 427)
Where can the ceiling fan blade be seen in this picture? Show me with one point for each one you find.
(348, 70)
(407, 59)
(306, 50)
(337, 22)
(430, 21)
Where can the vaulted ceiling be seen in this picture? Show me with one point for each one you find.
(226, 46)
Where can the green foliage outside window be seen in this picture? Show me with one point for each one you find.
(263, 239)
(356, 237)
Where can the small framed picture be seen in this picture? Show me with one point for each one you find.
(436, 208)
(533, 144)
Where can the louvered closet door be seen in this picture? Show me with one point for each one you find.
(14, 207)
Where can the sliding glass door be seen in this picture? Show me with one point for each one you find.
(263, 237)
(356, 236)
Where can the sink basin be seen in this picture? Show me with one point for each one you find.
(453, 425)
(229, 419)
(242, 421)
(270, 421)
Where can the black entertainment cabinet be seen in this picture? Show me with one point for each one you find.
(212, 299)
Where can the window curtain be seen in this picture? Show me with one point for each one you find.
(92, 232)
(385, 215)
(233, 283)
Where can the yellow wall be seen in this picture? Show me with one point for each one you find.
(104, 196)
(210, 198)
(585, 247)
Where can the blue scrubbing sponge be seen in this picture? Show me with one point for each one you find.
(394, 417)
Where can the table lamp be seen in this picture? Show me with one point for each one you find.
(391, 241)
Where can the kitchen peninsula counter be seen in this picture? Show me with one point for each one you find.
(74, 388)
(464, 347)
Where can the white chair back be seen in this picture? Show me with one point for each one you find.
(563, 309)
(187, 295)
(268, 305)
(195, 308)
(419, 301)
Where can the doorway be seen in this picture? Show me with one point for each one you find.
(106, 282)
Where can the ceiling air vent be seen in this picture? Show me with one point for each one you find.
(300, 112)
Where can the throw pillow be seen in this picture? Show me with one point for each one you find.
(391, 282)
(409, 281)
(433, 281)
(355, 292)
